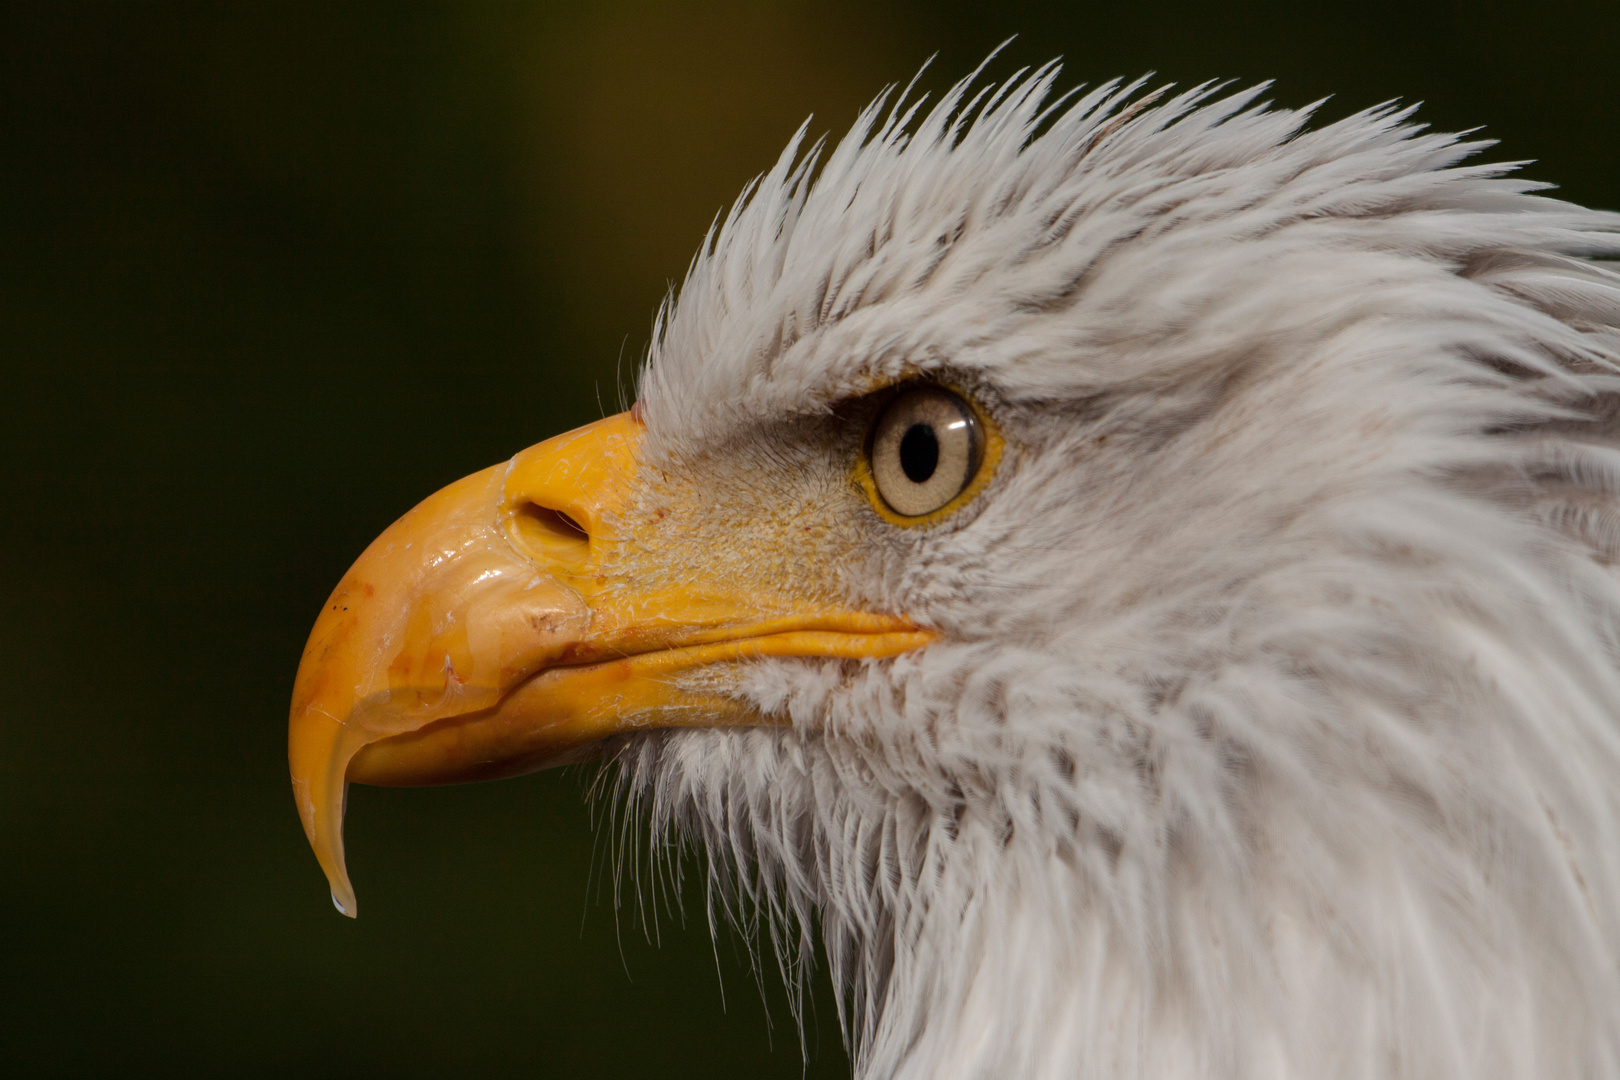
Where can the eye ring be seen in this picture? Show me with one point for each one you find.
(928, 452)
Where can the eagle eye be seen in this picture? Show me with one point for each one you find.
(926, 448)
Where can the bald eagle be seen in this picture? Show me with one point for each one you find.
(1137, 572)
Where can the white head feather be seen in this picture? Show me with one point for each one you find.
(1276, 728)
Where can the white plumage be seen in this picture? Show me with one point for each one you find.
(1276, 727)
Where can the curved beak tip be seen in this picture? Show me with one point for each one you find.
(326, 838)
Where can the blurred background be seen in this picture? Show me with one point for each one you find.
(269, 274)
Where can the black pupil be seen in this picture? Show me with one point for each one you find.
(919, 452)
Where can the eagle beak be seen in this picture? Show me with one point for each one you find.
(520, 616)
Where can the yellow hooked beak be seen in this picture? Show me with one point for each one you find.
(519, 616)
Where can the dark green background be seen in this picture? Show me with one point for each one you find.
(269, 274)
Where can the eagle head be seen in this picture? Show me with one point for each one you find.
(1133, 572)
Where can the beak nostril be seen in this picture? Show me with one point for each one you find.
(552, 532)
(558, 522)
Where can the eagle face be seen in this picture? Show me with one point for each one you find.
(1136, 573)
